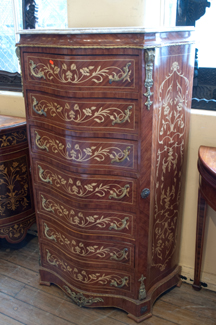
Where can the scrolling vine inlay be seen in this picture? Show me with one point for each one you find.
(13, 138)
(79, 219)
(84, 250)
(173, 94)
(72, 112)
(78, 154)
(70, 73)
(77, 189)
(87, 277)
(16, 231)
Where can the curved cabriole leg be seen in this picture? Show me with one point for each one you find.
(200, 231)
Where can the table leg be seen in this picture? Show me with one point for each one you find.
(200, 231)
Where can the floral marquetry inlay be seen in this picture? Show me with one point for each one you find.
(87, 277)
(13, 138)
(14, 186)
(16, 231)
(79, 153)
(74, 112)
(76, 188)
(81, 220)
(173, 94)
(82, 249)
(69, 72)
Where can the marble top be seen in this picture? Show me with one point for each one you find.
(106, 30)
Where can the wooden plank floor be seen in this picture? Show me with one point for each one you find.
(24, 301)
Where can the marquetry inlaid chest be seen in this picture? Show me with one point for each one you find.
(16, 198)
(108, 121)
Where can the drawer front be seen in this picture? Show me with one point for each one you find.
(88, 251)
(89, 71)
(85, 152)
(82, 277)
(87, 221)
(86, 115)
(86, 187)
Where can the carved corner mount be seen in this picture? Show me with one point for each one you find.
(149, 62)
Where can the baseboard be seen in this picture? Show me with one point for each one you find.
(208, 280)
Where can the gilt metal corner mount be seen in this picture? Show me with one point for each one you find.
(149, 62)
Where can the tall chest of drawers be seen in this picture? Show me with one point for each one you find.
(108, 122)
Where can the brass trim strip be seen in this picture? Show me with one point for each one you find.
(141, 47)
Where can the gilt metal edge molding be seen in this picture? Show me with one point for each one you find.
(141, 47)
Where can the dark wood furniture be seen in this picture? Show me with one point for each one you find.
(108, 122)
(16, 198)
(206, 195)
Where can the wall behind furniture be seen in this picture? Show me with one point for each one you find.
(121, 13)
(12, 103)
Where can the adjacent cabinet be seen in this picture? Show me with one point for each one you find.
(16, 198)
(108, 121)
